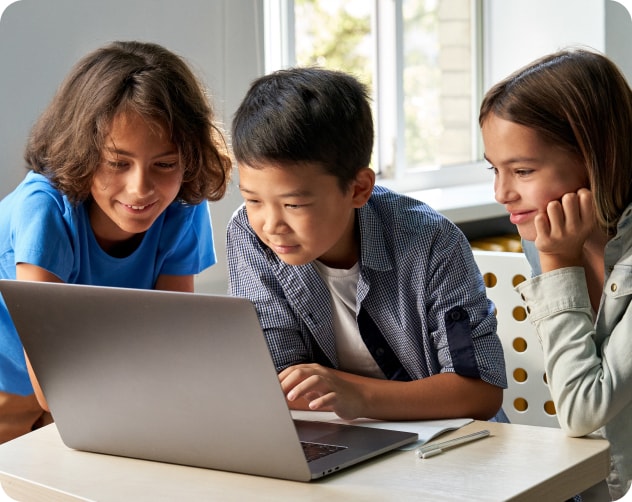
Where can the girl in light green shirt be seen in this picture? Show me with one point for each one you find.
(557, 134)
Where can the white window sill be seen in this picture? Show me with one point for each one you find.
(462, 203)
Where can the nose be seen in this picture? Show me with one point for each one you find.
(140, 182)
(503, 189)
(272, 221)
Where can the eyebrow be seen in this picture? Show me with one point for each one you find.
(514, 160)
(297, 193)
(125, 153)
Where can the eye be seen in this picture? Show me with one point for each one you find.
(523, 172)
(116, 164)
(167, 165)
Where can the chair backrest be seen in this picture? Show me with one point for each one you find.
(527, 400)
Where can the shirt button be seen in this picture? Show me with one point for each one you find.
(613, 287)
(379, 351)
(455, 315)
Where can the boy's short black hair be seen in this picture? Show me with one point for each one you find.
(306, 115)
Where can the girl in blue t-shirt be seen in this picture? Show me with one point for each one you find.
(120, 166)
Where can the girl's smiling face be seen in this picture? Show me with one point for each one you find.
(529, 172)
(139, 176)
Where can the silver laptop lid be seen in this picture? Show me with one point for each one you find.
(176, 377)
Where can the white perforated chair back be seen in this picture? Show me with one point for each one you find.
(527, 399)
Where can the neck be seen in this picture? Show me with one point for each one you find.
(120, 249)
(595, 246)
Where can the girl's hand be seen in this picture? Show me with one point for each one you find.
(563, 230)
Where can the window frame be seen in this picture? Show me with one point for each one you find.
(389, 156)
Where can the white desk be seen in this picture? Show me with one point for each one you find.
(518, 462)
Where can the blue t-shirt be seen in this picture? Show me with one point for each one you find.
(39, 226)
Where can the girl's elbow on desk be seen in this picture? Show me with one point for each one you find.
(577, 428)
(577, 423)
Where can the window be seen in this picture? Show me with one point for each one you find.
(420, 58)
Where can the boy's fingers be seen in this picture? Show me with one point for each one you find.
(304, 387)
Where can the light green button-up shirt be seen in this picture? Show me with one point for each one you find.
(588, 357)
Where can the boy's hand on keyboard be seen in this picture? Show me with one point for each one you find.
(323, 388)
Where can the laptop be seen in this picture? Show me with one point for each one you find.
(174, 377)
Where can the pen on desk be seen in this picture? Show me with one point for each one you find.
(435, 449)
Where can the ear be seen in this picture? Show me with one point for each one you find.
(362, 186)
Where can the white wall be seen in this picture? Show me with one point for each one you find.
(519, 31)
(619, 34)
(41, 39)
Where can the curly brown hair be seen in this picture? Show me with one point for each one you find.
(67, 141)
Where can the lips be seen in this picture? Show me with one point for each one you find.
(138, 207)
(518, 217)
(282, 248)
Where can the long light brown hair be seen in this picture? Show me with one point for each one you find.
(578, 100)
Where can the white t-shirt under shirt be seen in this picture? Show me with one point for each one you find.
(353, 355)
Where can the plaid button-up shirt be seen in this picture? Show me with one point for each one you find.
(418, 282)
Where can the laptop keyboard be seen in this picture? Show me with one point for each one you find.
(314, 451)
